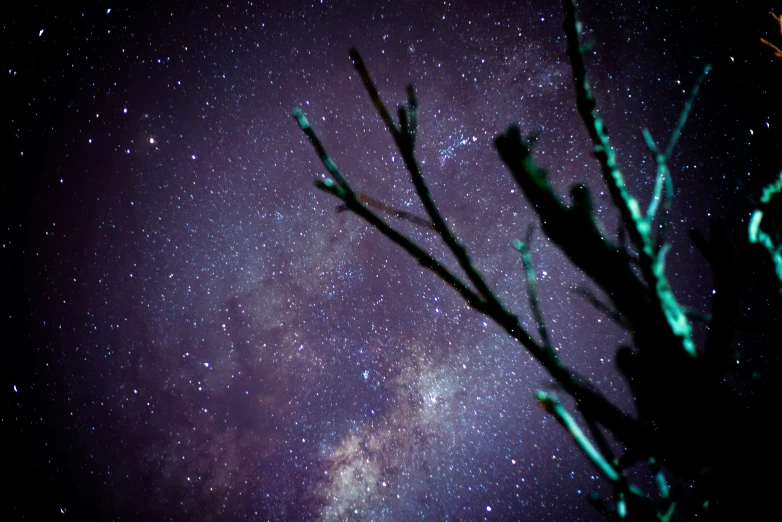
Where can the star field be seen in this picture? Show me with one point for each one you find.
(194, 332)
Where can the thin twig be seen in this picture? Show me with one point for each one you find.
(777, 50)
(600, 440)
(697, 315)
(606, 309)
(686, 112)
(389, 211)
(331, 167)
(374, 95)
(532, 293)
(663, 177)
(412, 104)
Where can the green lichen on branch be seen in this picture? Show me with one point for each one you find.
(638, 224)
(757, 235)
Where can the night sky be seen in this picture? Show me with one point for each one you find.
(191, 331)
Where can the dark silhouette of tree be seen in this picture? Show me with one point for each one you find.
(694, 424)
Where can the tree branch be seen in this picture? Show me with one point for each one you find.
(532, 293)
(663, 177)
(637, 224)
(342, 190)
(756, 235)
(404, 143)
(551, 404)
(484, 300)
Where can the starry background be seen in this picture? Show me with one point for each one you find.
(190, 330)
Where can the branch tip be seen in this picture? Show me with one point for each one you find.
(301, 119)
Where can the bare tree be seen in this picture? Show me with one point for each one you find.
(691, 425)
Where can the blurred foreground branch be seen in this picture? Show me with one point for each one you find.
(689, 422)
